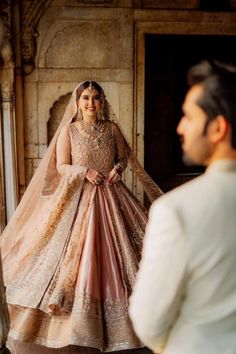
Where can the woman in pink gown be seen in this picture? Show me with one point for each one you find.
(71, 253)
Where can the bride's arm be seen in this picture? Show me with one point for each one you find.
(121, 151)
(120, 162)
(64, 166)
(63, 155)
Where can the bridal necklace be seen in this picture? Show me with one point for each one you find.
(93, 131)
(89, 128)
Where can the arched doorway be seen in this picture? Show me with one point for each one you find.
(167, 60)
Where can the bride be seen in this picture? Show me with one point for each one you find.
(71, 251)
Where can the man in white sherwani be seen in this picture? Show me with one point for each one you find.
(184, 300)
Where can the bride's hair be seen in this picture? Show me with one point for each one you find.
(87, 84)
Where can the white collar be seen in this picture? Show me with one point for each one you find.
(226, 165)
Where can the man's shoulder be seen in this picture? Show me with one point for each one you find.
(184, 194)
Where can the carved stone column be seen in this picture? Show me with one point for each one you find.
(8, 130)
(7, 107)
(9, 148)
(2, 183)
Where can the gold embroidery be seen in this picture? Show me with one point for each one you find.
(84, 232)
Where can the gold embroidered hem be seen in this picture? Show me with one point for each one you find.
(18, 347)
(73, 265)
(86, 302)
(83, 327)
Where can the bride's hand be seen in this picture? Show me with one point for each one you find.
(114, 176)
(94, 177)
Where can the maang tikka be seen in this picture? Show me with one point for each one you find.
(91, 86)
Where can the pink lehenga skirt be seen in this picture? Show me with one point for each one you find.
(85, 298)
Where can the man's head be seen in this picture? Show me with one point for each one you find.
(208, 125)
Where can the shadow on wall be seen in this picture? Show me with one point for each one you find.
(1, 32)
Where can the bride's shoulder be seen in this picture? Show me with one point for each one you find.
(110, 124)
(65, 130)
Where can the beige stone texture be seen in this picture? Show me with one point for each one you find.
(31, 113)
(80, 74)
(102, 41)
(48, 94)
(42, 150)
(56, 114)
(95, 37)
(28, 170)
(84, 49)
(31, 151)
(126, 111)
(36, 162)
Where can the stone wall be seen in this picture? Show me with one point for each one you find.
(67, 41)
(76, 43)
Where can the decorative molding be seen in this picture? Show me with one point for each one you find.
(7, 67)
(102, 51)
(6, 45)
(7, 55)
(28, 47)
(7, 74)
(29, 33)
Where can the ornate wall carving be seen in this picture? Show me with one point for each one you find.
(29, 32)
(56, 114)
(85, 49)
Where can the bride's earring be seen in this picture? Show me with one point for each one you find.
(100, 114)
(79, 114)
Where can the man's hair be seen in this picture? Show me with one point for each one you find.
(219, 96)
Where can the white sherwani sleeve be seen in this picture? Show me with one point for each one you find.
(160, 285)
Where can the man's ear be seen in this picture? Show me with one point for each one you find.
(218, 129)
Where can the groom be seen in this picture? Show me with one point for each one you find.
(184, 301)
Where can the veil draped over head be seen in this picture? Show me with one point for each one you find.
(44, 184)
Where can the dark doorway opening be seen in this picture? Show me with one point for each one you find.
(167, 60)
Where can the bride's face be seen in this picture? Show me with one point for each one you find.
(90, 103)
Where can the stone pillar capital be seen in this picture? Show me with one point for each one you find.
(7, 84)
(28, 47)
